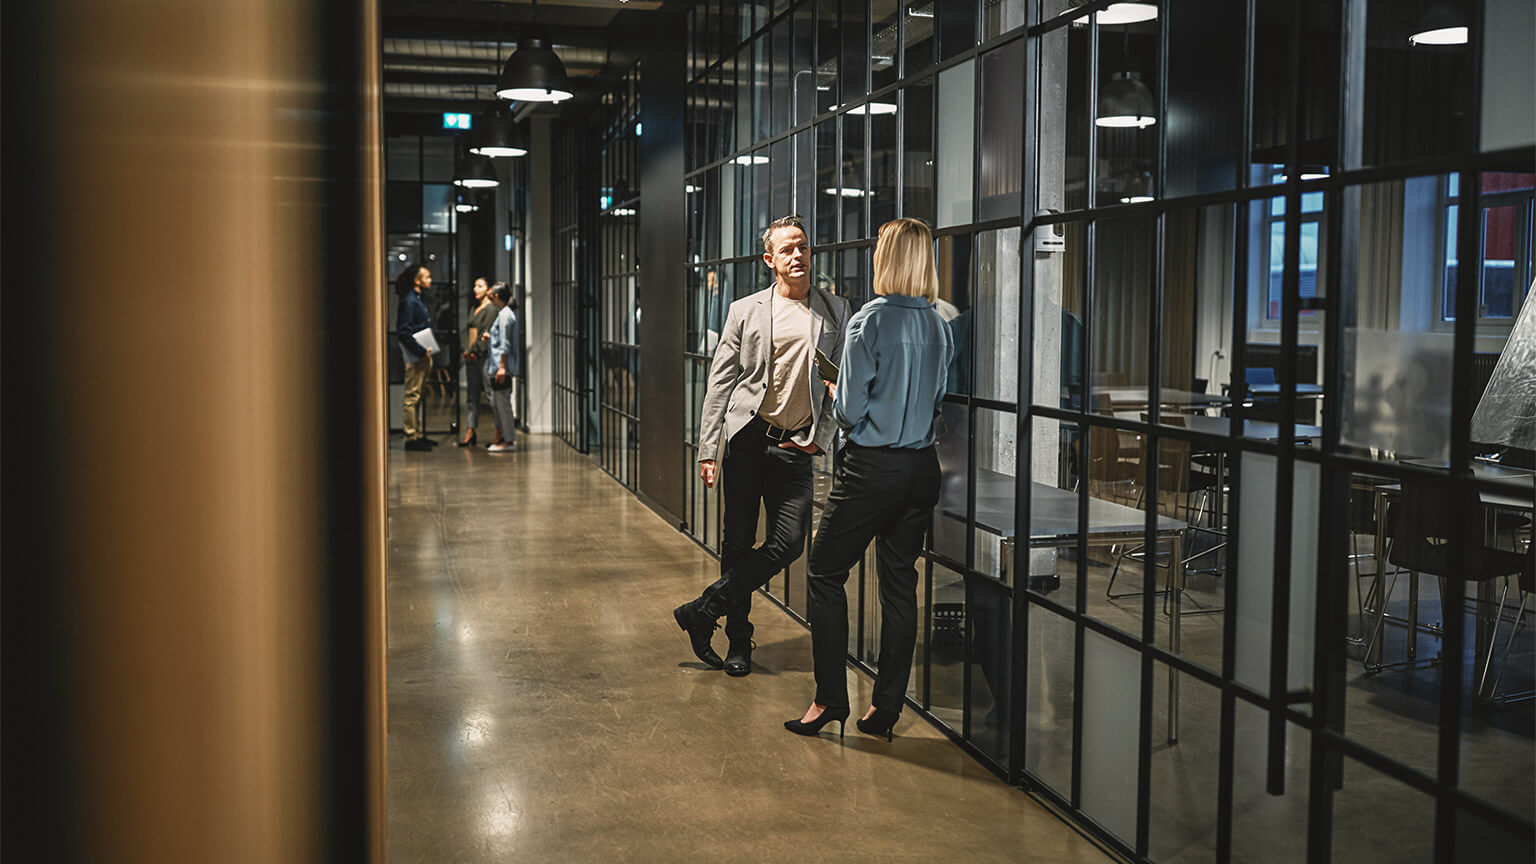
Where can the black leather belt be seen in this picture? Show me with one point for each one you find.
(778, 433)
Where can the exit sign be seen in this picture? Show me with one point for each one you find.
(457, 121)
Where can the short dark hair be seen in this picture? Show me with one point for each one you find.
(406, 281)
(501, 292)
(793, 221)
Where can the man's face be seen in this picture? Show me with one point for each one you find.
(789, 255)
(480, 289)
(423, 278)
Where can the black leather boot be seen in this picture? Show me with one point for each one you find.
(738, 657)
(700, 632)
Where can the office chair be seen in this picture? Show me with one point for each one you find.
(1527, 584)
(1261, 409)
(1422, 525)
(1262, 375)
(1174, 474)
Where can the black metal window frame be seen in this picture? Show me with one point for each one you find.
(1524, 200)
(618, 230)
(445, 275)
(1329, 747)
(573, 289)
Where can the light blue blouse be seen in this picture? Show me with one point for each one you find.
(895, 360)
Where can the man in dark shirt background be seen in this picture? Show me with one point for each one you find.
(411, 318)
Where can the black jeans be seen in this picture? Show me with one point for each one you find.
(756, 469)
(885, 494)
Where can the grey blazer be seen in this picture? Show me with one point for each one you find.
(738, 378)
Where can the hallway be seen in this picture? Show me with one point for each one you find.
(543, 707)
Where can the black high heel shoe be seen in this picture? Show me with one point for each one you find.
(813, 728)
(879, 724)
(471, 441)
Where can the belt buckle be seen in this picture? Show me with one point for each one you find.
(772, 429)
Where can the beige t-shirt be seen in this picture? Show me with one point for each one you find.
(787, 404)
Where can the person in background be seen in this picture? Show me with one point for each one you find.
(771, 411)
(501, 366)
(477, 339)
(411, 318)
(885, 483)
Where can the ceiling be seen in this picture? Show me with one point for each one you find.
(445, 55)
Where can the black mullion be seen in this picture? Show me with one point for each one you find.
(1280, 609)
(975, 227)
(1092, 114)
(1469, 242)
(928, 625)
(965, 669)
(1079, 617)
(1018, 709)
(901, 138)
(1080, 602)
(1365, 175)
(1326, 772)
(1023, 452)
(1149, 561)
(1240, 218)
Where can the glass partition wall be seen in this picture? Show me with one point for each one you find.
(618, 215)
(422, 219)
(1233, 557)
(574, 331)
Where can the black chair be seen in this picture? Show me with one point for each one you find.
(1527, 585)
(1424, 525)
(1176, 474)
(1363, 518)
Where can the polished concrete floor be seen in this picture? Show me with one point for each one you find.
(544, 707)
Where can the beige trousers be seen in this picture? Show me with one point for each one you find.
(413, 417)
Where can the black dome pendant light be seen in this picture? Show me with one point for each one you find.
(1442, 24)
(475, 172)
(534, 72)
(499, 136)
(1125, 102)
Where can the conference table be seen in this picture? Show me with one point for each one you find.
(1053, 524)
(1260, 430)
(1140, 398)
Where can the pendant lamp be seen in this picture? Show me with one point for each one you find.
(1125, 102)
(1136, 188)
(1442, 24)
(499, 137)
(1120, 13)
(534, 73)
(475, 172)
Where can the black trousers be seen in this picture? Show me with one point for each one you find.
(756, 470)
(886, 494)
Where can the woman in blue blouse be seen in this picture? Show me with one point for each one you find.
(886, 480)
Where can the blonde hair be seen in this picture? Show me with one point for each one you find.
(904, 260)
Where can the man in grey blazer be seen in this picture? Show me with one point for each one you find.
(768, 404)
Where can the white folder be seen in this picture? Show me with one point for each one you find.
(425, 339)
